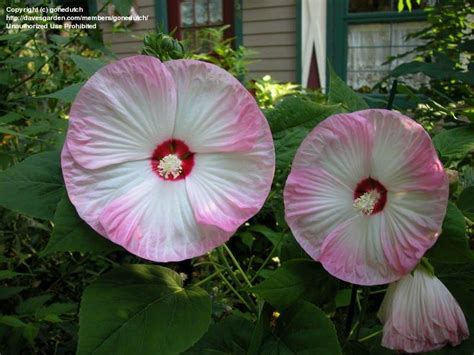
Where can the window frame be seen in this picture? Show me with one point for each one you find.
(174, 18)
(338, 20)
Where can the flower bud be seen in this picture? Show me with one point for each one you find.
(420, 314)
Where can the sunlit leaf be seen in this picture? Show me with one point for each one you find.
(142, 309)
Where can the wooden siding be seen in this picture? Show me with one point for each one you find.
(125, 44)
(268, 26)
(269, 29)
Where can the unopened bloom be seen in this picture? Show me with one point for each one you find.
(420, 314)
(166, 159)
(366, 195)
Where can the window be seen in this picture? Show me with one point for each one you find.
(190, 17)
(363, 34)
(369, 46)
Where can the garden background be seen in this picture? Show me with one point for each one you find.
(259, 293)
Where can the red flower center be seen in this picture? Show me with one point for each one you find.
(172, 160)
(370, 197)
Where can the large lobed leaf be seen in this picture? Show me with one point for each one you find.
(67, 94)
(33, 187)
(466, 202)
(297, 279)
(88, 65)
(452, 245)
(71, 233)
(141, 309)
(295, 111)
(302, 329)
(230, 336)
(455, 143)
(340, 93)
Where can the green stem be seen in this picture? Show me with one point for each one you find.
(236, 263)
(354, 328)
(227, 266)
(363, 311)
(210, 277)
(203, 263)
(378, 291)
(265, 262)
(351, 311)
(234, 277)
(229, 285)
(371, 335)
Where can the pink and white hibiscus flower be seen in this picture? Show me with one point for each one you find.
(166, 159)
(420, 314)
(366, 195)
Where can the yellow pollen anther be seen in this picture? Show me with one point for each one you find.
(170, 165)
(366, 202)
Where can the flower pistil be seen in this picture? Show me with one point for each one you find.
(170, 165)
(366, 202)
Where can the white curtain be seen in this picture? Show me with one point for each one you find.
(370, 45)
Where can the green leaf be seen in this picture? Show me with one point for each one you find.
(88, 65)
(401, 5)
(7, 292)
(340, 93)
(61, 40)
(457, 142)
(295, 280)
(272, 236)
(230, 336)
(10, 118)
(12, 321)
(71, 233)
(452, 245)
(33, 187)
(302, 329)
(30, 305)
(343, 298)
(37, 128)
(123, 6)
(291, 249)
(141, 309)
(30, 331)
(295, 111)
(52, 312)
(262, 328)
(442, 69)
(67, 94)
(466, 202)
(12, 132)
(7, 274)
(287, 144)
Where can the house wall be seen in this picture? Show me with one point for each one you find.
(130, 43)
(269, 28)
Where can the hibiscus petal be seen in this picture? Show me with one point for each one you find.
(155, 221)
(327, 167)
(411, 225)
(226, 189)
(403, 156)
(215, 112)
(122, 112)
(90, 190)
(353, 252)
(381, 248)
(341, 145)
(315, 204)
